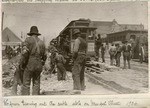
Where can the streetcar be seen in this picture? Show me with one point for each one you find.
(87, 30)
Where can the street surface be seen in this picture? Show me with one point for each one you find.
(134, 80)
(51, 84)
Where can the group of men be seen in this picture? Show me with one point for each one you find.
(115, 51)
(33, 58)
(79, 59)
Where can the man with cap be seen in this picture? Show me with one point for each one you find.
(37, 56)
(79, 58)
(126, 53)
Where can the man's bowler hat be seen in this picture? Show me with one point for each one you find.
(34, 31)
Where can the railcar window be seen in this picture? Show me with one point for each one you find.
(91, 35)
(133, 37)
(83, 35)
(83, 30)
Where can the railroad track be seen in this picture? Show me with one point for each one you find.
(93, 73)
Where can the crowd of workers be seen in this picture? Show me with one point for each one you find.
(34, 55)
(116, 50)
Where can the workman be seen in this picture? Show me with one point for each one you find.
(98, 43)
(79, 58)
(118, 54)
(112, 52)
(60, 62)
(126, 48)
(37, 56)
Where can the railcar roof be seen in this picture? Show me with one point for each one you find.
(80, 20)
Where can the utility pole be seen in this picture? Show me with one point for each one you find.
(2, 21)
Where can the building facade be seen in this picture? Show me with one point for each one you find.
(107, 27)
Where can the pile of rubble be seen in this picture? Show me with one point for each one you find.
(8, 70)
(50, 85)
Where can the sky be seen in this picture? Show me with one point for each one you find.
(52, 18)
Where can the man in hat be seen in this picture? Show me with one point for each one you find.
(79, 58)
(98, 43)
(60, 62)
(37, 56)
(126, 48)
(118, 54)
(112, 52)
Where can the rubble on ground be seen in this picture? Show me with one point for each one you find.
(9, 69)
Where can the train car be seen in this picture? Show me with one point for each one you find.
(87, 30)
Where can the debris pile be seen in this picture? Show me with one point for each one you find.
(51, 84)
(9, 69)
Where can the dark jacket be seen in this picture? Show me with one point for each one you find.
(98, 42)
(35, 48)
(80, 47)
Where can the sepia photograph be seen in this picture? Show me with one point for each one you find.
(74, 48)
